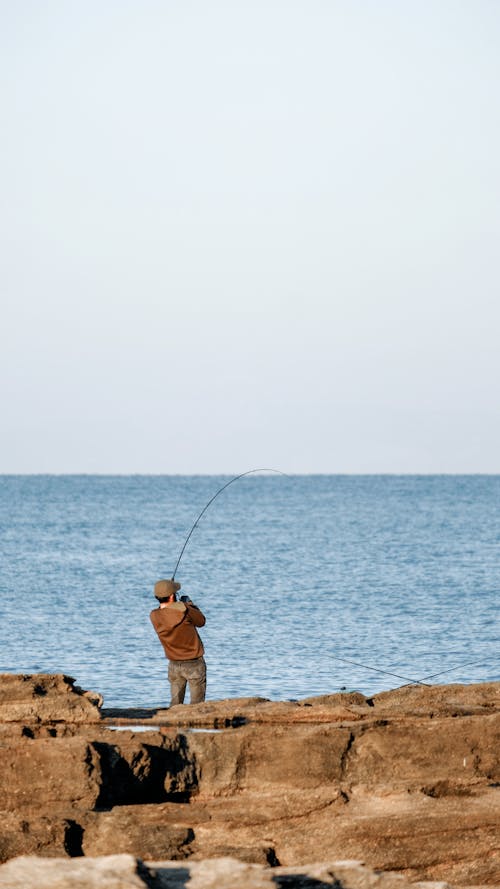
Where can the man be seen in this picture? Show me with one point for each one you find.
(175, 623)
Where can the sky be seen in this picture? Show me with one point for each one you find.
(249, 234)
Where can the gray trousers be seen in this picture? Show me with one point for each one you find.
(193, 672)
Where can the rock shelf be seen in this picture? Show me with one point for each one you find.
(406, 781)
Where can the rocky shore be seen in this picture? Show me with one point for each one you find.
(338, 790)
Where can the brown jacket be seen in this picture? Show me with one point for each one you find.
(176, 625)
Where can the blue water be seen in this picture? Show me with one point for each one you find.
(396, 572)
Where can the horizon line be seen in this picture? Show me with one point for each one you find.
(104, 474)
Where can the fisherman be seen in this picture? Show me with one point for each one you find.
(175, 623)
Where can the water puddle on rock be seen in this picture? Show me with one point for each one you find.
(134, 728)
(159, 728)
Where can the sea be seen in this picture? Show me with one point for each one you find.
(310, 584)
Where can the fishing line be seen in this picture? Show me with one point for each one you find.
(459, 667)
(375, 669)
(332, 656)
(235, 479)
(407, 678)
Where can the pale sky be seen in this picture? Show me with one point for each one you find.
(250, 233)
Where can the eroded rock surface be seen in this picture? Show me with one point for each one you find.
(46, 697)
(406, 781)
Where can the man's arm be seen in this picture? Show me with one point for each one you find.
(197, 617)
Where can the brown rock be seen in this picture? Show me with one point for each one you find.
(240, 711)
(411, 700)
(50, 773)
(258, 757)
(438, 700)
(39, 835)
(144, 833)
(411, 754)
(406, 781)
(46, 697)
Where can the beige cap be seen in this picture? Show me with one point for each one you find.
(166, 588)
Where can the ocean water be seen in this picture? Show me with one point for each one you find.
(297, 576)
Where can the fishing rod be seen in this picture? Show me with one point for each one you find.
(235, 479)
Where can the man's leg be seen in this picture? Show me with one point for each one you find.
(177, 682)
(196, 675)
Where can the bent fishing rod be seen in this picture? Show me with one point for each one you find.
(235, 479)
